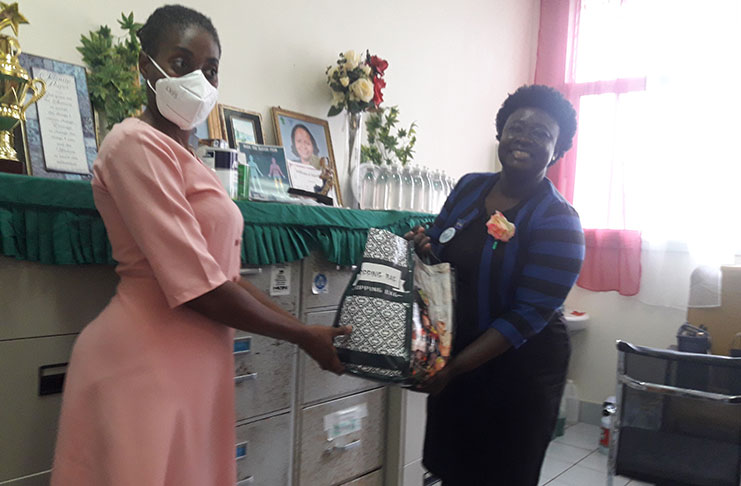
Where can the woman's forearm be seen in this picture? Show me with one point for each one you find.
(486, 347)
(264, 299)
(236, 306)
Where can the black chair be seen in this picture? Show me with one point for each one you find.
(678, 419)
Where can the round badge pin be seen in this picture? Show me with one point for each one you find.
(447, 235)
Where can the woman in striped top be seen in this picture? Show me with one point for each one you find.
(492, 411)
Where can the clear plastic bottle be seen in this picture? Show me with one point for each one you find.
(446, 185)
(438, 192)
(382, 188)
(451, 184)
(407, 188)
(418, 202)
(367, 187)
(424, 174)
(395, 188)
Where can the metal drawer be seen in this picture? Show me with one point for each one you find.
(263, 452)
(263, 369)
(45, 300)
(318, 385)
(322, 282)
(358, 451)
(261, 278)
(28, 419)
(373, 479)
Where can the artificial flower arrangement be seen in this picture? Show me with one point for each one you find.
(501, 229)
(356, 81)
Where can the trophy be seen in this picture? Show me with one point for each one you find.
(14, 85)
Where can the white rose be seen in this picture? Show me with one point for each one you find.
(366, 69)
(352, 59)
(362, 89)
(338, 97)
(344, 81)
(331, 71)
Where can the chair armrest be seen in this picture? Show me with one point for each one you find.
(677, 392)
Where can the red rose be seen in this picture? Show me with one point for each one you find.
(378, 65)
(378, 85)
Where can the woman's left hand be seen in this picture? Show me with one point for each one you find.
(437, 382)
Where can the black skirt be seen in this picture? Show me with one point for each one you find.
(492, 426)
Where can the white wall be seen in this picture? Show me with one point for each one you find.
(593, 356)
(451, 63)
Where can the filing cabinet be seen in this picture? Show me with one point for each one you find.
(263, 375)
(356, 449)
(372, 479)
(261, 451)
(281, 395)
(32, 396)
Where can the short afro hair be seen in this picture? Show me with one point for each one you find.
(548, 100)
(165, 18)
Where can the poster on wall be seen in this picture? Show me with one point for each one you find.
(60, 123)
(59, 133)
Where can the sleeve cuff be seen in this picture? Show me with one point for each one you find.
(180, 298)
(509, 332)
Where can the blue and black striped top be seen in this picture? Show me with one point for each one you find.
(519, 286)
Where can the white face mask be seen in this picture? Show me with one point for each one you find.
(186, 101)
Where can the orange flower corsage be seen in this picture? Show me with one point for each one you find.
(500, 228)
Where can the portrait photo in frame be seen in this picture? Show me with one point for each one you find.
(308, 149)
(240, 126)
(59, 131)
(208, 129)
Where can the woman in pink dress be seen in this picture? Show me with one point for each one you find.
(149, 397)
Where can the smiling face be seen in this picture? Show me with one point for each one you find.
(180, 52)
(304, 146)
(528, 142)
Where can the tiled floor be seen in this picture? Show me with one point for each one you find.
(574, 460)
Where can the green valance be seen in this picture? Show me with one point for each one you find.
(54, 221)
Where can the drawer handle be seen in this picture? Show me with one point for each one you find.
(51, 378)
(347, 447)
(242, 345)
(242, 450)
(248, 376)
(248, 480)
(250, 271)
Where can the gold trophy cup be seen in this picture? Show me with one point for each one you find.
(14, 86)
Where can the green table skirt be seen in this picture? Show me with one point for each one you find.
(55, 222)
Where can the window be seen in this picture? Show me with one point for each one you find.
(656, 84)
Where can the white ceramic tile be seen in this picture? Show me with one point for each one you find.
(581, 435)
(583, 476)
(557, 482)
(565, 452)
(552, 467)
(414, 474)
(596, 460)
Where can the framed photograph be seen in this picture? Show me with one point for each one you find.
(309, 155)
(269, 178)
(240, 126)
(210, 128)
(60, 129)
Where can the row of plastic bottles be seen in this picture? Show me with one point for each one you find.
(408, 188)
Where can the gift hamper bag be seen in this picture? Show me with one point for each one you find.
(401, 312)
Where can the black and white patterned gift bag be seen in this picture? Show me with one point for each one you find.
(378, 305)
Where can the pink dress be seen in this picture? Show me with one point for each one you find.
(149, 396)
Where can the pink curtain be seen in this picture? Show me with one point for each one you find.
(612, 261)
(613, 257)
